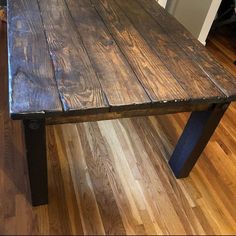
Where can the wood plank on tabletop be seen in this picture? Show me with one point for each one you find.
(118, 80)
(32, 86)
(191, 77)
(77, 82)
(221, 77)
(150, 70)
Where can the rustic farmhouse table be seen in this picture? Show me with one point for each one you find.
(89, 60)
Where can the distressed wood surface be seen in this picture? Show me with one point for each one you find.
(150, 70)
(32, 87)
(77, 82)
(221, 77)
(72, 57)
(116, 76)
(193, 79)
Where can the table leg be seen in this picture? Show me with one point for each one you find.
(199, 129)
(3, 2)
(35, 140)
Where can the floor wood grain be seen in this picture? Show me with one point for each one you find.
(111, 177)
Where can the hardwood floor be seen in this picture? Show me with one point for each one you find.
(221, 43)
(111, 177)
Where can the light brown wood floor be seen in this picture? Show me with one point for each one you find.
(111, 177)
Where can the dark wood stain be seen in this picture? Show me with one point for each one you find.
(152, 73)
(221, 77)
(200, 127)
(32, 87)
(72, 57)
(190, 76)
(116, 77)
(36, 151)
(77, 82)
(170, 109)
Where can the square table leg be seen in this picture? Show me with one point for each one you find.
(35, 140)
(198, 131)
(3, 2)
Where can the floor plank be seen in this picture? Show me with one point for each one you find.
(115, 173)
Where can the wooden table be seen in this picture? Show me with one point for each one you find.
(82, 60)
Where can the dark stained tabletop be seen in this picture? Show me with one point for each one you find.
(78, 56)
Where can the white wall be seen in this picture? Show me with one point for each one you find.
(196, 15)
(162, 3)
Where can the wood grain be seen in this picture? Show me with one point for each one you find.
(73, 57)
(149, 199)
(14, 192)
(223, 49)
(100, 172)
(191, 77)
(118, 81)
(77, 82)
(3, 14)
(32, 86)
(222, 78)
(172, 108)
(157, 80)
